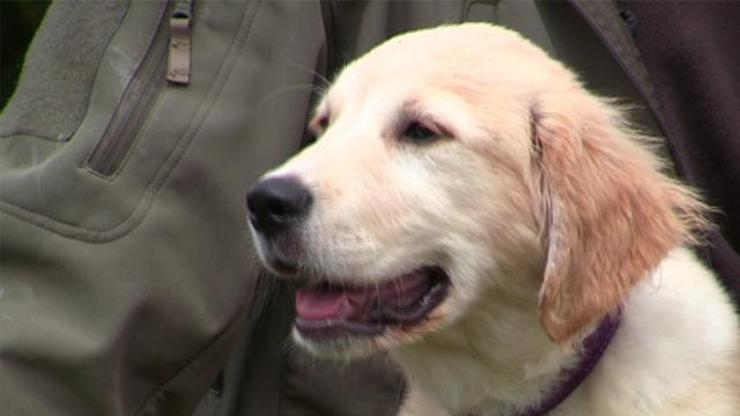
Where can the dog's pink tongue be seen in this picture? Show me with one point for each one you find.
(332, 304)
(356, 303)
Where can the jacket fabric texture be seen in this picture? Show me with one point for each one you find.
(691, 51)
(128, 283)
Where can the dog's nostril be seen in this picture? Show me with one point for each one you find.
(280, 208)
(276, 203)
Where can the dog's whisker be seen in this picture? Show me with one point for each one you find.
(291, 88)
(325, 83)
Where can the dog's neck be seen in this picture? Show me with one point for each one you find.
(593, 348)
(498, 361)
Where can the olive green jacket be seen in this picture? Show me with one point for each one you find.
(128, 285)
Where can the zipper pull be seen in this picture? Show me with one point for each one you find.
(178, 64)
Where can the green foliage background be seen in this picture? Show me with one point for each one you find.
(19, 20)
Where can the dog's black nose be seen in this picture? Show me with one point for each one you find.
(277, 203)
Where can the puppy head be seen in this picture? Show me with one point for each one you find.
(454, 162)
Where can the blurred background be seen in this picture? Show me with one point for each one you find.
(19, 20)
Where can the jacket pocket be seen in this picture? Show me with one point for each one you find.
(142, 117)
(150, 78)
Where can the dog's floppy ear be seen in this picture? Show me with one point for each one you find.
(610, 216)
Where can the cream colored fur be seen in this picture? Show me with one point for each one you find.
(545, 210)
(674, 354)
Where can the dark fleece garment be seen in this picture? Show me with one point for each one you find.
(692, 52)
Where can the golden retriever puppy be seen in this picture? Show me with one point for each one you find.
(471, 208)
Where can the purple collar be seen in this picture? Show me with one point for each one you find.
(593, 349)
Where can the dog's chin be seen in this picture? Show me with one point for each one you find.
(339, 320)
(342, 348)
(358, 346)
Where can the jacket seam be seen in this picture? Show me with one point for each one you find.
(190, 365)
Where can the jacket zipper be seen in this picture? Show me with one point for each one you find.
(178, 64)
(143, 90)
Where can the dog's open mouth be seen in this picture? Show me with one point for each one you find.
(328, 311)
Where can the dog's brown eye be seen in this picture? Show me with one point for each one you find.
(315, 129)
(319, 124)
(323, 122)
(419, 132)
